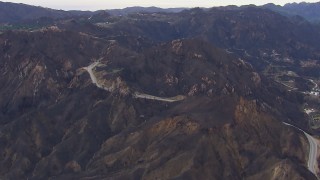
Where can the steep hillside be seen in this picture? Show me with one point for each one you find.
(60, 122)
(257, 35)
(199, 94)
(262, 37)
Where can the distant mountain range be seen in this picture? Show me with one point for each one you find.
(309, 11)
(13, 12)
(135, 9)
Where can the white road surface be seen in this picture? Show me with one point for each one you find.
(90, 70)
(94, 80)
(312, 161)
(165, 99)
(291, 88)
(315, 84)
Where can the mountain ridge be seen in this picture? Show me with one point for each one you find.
(14, 12)
(218, 102)
(23, 12)
(86, 97)
(309, 11)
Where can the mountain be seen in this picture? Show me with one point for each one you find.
(219, 93)
(262, 37)
(13, 12)
(309, 11)
(137, 9)
(55, 122)
(18, 13)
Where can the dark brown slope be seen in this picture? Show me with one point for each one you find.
(64, 127)
(243, 27)
(252, 145)
(38, 67)
(261, 36)
(257, 35)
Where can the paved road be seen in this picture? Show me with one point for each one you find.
(312, 161)
(315, 84)
(147, 96)
(92, 76)
(95, 81)
(291, 88)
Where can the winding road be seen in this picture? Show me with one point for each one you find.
(315, 84)
(312, 161)
(94, 79)
(90, 70)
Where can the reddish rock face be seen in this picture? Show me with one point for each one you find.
(179, 109)
(56, 123)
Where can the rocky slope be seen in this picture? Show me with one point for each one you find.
(56, 123)
(262, 37)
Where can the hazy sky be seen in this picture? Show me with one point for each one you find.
(112, 4)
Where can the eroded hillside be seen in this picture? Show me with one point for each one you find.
(56, 122)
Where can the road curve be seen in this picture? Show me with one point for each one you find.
(92, 76)
(95, 81)
(312, 160)
(315, 84)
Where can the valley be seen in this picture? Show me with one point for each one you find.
(149, 93)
